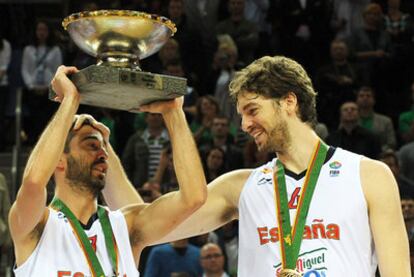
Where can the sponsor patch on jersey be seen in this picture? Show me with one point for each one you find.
(335, 165)
(311, 263)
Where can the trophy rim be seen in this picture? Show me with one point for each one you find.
(124, 13)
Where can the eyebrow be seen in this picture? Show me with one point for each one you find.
(249, 105)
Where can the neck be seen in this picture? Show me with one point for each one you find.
(82, 204)
(214, 274)
(340, 62)
(236, 17)
(370, 27)
(365, 111)
(155, 132)
(393, 10)
(219, 141)
(298, 154)
(348, 126)
(179, 243)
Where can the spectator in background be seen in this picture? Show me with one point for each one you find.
(222, 138)
(5, 241)
(407, 205)
(381, 125)
(223, 68)
(244, 32)
(202, 18)
(212, 261)
(406, 121)
(175, 68)
(253, 157)
(169, 52)
(142, 152)
(256, 11)
(399, 25)
(351, 136)
(5, 57)
(305, 32)
(229, 241)
(39, 63)
(189, 40)
(207, 108)
(371, 46)
(347, 17)
(406, 159)
(336, 83)
(405, 185)
(214, 163)
(175, 257)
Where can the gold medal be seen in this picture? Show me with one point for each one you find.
(289, 273)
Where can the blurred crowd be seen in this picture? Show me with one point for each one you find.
(359, 54)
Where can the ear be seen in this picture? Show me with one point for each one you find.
(291, 102)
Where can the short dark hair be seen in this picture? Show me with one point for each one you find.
(276, 77)
(365, 88)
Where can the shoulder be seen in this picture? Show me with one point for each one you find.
(377, 179)
(382, 117)
(406, 115)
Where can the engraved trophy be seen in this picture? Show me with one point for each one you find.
(119, 39)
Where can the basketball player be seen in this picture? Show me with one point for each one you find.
(74, 236)
(348, 205)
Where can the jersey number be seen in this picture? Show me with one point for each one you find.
(294, 199)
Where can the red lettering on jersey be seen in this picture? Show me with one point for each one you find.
(63, 273)
(293, 203)
(317, 230)
(93, 242)
(78, 274)
(263, 235)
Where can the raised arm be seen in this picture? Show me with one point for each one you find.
(29, 208)
(156, 220)
(221, 207)
(387, 223)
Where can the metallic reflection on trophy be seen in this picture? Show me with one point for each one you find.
(119, 39)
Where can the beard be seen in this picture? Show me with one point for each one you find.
(79, 174)
(278, 139)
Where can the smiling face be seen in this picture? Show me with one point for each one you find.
(264, 120)
(86, 158)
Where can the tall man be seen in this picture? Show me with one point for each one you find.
(74, 236)
(354, 216)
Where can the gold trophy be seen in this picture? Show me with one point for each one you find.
(119, 39)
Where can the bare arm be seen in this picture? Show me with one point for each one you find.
(159, 218)
(29, 207)
(221, 207)
(387, 224)
(118, 191)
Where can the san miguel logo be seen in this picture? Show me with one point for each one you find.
(318, 230)
(310, 264)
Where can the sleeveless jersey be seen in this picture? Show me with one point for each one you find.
(337, 238)
(59, 253)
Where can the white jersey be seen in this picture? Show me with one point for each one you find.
(337, 238)
(59, 253)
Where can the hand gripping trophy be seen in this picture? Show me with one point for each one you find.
(119, 39)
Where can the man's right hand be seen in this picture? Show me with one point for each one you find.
(61, 84)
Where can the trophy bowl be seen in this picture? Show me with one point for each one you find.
(119, 39)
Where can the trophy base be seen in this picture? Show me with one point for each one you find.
(124, 88)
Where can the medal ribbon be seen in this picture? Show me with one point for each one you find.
(110, 242)
(291, 238)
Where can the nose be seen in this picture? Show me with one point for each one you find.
(102, 154)
(246, 124)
